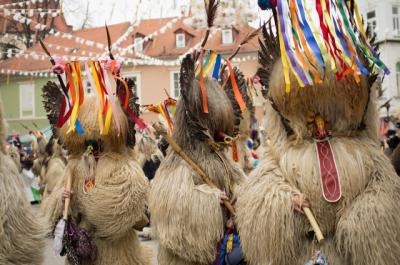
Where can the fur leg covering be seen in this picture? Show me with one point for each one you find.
(117, 202)
(265, 217)
(127, 251)
(166, 257)
(22, 234)
(187, 218)
(368, 232)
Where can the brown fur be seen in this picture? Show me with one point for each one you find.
(146, 149)
(245, 161)
(116, 203)
(13, 152)
(186, 214)
(22, 234)
(363, 228)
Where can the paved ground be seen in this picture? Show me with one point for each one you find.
(52, 259)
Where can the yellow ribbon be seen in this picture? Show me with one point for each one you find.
(101, 94)
(318, 37)
(75, 98)
(284, 59)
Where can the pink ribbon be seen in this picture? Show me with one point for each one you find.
(59, 67)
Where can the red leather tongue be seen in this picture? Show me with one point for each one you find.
(330, 180)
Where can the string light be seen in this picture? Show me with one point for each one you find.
(21, 4)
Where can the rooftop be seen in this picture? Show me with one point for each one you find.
(93, 42)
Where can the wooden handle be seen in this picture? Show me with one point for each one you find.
(67, 200)
(314, 224)
(195, 167)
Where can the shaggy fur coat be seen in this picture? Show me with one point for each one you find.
(245, 158)
(22, 234)
(186, 214)
(363, 227)
(116, 204)
(53, 168)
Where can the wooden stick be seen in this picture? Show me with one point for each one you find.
(314, 224)
(67, 200)
(195, 167)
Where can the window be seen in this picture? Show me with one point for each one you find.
(175, 84)
(27, 100)
(227, 37)
(137, 89)
(371, 21)
(180, 40)
(138, 44)
(398, 78)
(396, 20)
(88, 87)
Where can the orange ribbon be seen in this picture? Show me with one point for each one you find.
(235, 155)
(236, 91)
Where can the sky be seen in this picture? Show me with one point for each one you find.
(116, 11)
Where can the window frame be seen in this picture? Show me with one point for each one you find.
(223, 36)
(372, 23)
(396, 20)
(137, 43)
(21, 95)
(138, 83)
(172, 84)
(177, 35)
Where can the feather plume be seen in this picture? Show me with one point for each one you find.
(186, 82)
(52, 98)
(241, 82)
(58, 237)
(267, 56)
(132, 103)
(211, 7)
(109, 43)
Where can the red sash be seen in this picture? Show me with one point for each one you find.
(330, 180)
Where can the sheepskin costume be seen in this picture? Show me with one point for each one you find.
(363, 227)
(146, 149)
(186, 214)
(13, 152)
(22, 234)
(111, 209)
(53, 167)
(40, 154)
(247, 117)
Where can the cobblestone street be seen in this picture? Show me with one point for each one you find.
(51, 259)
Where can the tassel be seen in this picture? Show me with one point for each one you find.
(90, 163)
(229, 244)
(58, 237)
(235, 152)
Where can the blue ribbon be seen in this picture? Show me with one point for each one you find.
(78, 127)
(288, 50)
(217, 66)
(309, 35)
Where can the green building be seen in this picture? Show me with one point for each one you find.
(22, 103)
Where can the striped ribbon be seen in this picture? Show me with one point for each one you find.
(313, 33)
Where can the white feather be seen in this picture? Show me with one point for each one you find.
(58, 237)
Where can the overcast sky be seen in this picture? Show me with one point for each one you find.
(116, 11)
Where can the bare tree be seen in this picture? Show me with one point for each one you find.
(31, 32)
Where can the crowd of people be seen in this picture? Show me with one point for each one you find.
(311, 185)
